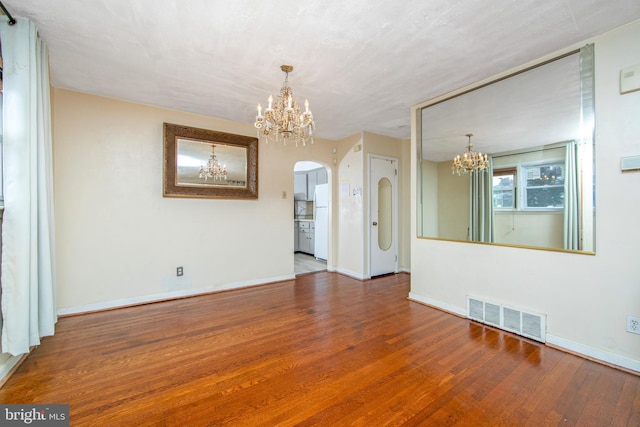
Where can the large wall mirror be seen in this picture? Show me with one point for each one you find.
(209, 164)
(536, 127)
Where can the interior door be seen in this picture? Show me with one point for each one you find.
(383, 208)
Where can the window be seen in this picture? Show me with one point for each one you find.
(544, 186)
(504, 188)
(538, 186)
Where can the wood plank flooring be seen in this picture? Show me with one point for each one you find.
(324, 350)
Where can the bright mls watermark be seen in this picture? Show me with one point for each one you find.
(34, 415)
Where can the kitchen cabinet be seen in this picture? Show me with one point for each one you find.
(306, 237)
(304, 183)
(300, 188)
(296, 232)
(311, 184)
(321, 176)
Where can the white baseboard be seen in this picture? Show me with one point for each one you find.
(106, 305)
(404, 270)
(438, 304)
(553, 340)
(594, 353)
(351, 274)
(8, 365)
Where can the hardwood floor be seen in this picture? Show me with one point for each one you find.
(321, 350)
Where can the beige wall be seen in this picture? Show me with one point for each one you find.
(428, 190)
(353, 232)
(586, 298)
(543, 229)
(351, 210)
(405, 208)
(453, 204)
(118, 239)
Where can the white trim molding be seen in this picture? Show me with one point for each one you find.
(7, 367)
(438, 304)
(126, 302)
(554, 341)
(593, 353)
(352, 274)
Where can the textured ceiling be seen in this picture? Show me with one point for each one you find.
(362, 64)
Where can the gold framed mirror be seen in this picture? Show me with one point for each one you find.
(205, 163)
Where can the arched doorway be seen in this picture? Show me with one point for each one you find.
(311, 217)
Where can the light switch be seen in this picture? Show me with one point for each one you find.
(630, 79)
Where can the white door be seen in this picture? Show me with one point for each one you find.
(383, 209)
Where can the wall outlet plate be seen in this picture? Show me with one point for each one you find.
(633, 324)
(179, 271)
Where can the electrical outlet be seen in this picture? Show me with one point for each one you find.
(179, 271)
(633, 325)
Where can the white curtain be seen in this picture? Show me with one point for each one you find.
(481, 222)
(28, 267)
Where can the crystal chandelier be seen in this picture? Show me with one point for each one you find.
(470, 161)
(213, 169)
(283, 120)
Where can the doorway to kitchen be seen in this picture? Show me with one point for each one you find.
(311, 217)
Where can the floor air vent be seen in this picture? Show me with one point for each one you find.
(530, 325)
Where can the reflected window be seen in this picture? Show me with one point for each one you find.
(504, 188)
(544, 186)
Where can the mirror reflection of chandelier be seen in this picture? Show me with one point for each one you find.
(213, 169)
(282, 119)
(470, 161)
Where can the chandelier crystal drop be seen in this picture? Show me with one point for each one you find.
(213, 169)
(282, 119)
(469, 161)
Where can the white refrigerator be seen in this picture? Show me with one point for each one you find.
(321, 220)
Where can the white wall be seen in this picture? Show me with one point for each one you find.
(585, 297)
(119, 240)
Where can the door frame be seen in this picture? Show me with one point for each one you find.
(395, 227)
(330, 202)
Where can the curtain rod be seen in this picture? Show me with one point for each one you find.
(12, 20)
